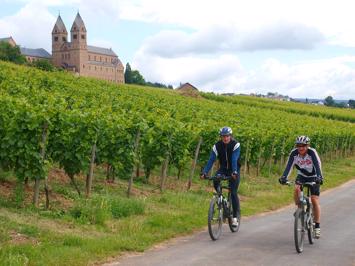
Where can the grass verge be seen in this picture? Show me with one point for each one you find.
(108, 224)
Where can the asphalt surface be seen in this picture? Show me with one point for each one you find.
(266, 240)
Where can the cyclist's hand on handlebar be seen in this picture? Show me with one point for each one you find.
(283, 180)
(319, 180)
(203, 176)
(235, 175)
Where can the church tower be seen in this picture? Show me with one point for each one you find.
(79, 44)
(59, 37)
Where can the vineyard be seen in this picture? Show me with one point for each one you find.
(291, 107)
(79, 124)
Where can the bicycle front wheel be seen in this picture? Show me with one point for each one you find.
(215, 219)
(299, 230)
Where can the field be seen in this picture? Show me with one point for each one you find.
(111, 168)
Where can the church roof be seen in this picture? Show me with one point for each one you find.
(59, 26)
(100, 50)
(78, 23)
(39, 52)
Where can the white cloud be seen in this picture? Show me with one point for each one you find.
(221, 39)
(224, 73)
(28, 28)
(334, 19)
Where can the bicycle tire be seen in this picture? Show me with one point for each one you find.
(299, 231)
(214, 209)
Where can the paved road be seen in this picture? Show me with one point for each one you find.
(267, 240)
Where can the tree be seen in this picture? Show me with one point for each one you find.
(128, 74)
(11, 53)
(329, 101)
(351, 103)
(137, 78)
(43, 64)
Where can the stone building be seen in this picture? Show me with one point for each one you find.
(35, 54)
(30, 53)
(77, 56)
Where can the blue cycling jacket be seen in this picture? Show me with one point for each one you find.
(228, 156)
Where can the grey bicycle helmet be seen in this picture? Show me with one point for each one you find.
(225, 131)
(302, 140)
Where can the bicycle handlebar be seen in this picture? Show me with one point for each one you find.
(289, 183)
(218, 177)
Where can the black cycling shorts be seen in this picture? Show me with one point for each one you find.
(315, 190)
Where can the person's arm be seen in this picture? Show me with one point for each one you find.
(212, 159)
(289, 165)
(235, 157)
(316, 162)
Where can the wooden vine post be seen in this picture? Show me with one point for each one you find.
(90, 175)
(194, 162)
(37, 180)
(246, 158)
(271, 156)
(164, 169)
(135, 157)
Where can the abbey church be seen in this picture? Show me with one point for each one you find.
(77, 56)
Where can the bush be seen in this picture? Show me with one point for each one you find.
(99, 209)
(122, 207)
(93, 211)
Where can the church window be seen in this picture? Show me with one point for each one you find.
(64, 39)
(100, 58)
(68, 56)
(95, 58)
(56, 38)
(75, 36)
(83, 36)
(89, 57)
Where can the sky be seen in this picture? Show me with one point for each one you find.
(298, 48)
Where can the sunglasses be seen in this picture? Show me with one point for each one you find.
(301, 146)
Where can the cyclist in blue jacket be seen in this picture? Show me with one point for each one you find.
(227, 150)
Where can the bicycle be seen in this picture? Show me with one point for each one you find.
(303, 217)
(221, 209)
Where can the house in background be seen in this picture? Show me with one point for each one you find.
(10, 40)
(188, 89)
(30, 53)
(35, 54)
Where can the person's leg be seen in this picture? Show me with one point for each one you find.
(297, 194)
(316, 208)
(216, 183)
(315, 192)
(234, 185)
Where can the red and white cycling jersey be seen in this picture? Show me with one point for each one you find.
(308, 165)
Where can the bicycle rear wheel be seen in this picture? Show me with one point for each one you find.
(215, 219)
(299, 230)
